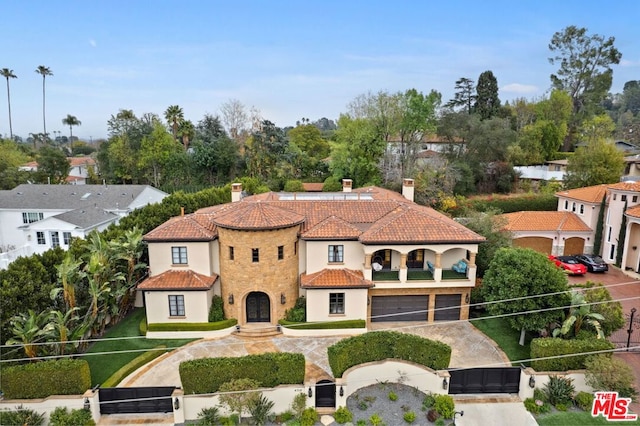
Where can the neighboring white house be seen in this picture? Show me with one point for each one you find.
(35, 218)
(78, 171)
(366, 253)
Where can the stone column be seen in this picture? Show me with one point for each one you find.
(472, 259)
(403, 267)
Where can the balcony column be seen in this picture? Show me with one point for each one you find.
(437, 273)
(368, 275)
(472, 259)
(403, 268)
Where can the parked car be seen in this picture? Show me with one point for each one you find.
(569, 264)
(593, 262)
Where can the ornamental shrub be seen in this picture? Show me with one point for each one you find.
(606, 373)
(343, 415)
(584, 400)
(21, 416)
(61, 416)
(192, 326)
(381, 345)
(309, 417)
(445, 406)
(216, 313)
(559, 390)
(551, 347)
(45, 378)
(409, 417)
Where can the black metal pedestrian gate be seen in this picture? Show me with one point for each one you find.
(484, 380)
(136, 400)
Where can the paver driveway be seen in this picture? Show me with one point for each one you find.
(470, 348)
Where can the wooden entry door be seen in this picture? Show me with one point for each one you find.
(258, 307)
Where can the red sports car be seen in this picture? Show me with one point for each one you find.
(569, 264)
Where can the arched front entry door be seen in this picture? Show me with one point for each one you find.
(258, 307)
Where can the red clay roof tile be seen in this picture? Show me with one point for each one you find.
(178, 280)
(544, 221)
(335, 278)
(589, 194)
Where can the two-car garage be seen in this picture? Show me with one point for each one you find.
(415, 307)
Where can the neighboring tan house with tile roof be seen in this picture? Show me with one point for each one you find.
(572, 228)
(35, 218)
(367, 253)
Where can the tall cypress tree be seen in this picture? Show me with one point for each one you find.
(597, 244)
(487, 102)
(621, 237)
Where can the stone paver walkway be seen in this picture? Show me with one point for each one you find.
(470, 348)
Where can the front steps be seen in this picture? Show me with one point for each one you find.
(257, 330)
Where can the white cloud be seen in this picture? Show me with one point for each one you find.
(628, 63)
(92, 42)
(519, 88)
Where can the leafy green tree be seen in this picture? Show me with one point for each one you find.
(607, 373)
(309, 139)
(174, 117)
(11, 157)
(53, 165)
(613, 318)
(263, 150)
(491, 226)
(71, 120)
(487, 102)
(595, 163)
(332, 184)
(69, 274)
(155, 152)
(65, 329)
(585, 71)
(44, 72)
(7, 73)
(524, 273)
(235, 394)
(464, 96)
(357, 151)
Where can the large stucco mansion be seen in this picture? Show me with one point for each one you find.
(366, 253)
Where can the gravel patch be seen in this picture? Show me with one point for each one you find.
(374, 399)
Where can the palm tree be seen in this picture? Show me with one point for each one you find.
(44, 71)
(68, 272)
(27, 329)
(580, 314)
(187, 131)
(7, 73)
(174, 117)
(65, 327)
(71, 120)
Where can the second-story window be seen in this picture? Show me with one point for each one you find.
(581, 208)
(255, 255)
(566, 204)
(232, 255)
(31, 217)
(623, 198)
(40, 237)
(336, 254)
(66, 237)
(179, 255)
(280, 252)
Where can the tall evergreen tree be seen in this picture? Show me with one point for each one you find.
(464, 96)
(597, 243)
(487, 102)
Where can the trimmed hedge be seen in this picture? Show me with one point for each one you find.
(381, 345)
(41, 379)
(270, 369)
(192, 326)
(133, 365)
(552, 346)
(323, 325)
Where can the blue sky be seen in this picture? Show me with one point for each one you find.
(288, 59)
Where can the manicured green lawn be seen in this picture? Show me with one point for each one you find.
(576, 418)
(104, 365)
(507, 338)
(448, 274)
(419, 275)
(386, 275)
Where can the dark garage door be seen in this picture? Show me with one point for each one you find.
(451, 301)
(399, 308)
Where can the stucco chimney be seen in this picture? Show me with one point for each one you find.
(407, 189)
(236, 192)
(346, 185)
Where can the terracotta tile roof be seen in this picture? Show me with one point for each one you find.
(413, 223)
(381, 216)
(81, 161)
(633, 211)
(313, 187)
(335, 278)
(332, 228)
(589, 194)
(257, 215)
(544, 221)
(178, 280)
(629, 186)
(192, 227)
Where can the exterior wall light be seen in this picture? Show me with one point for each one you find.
(87, 404)
(341, 391)
(283, 299)
(176, 404)
(310, 393)
(532, 382)
(231, 299)
(445, 384)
